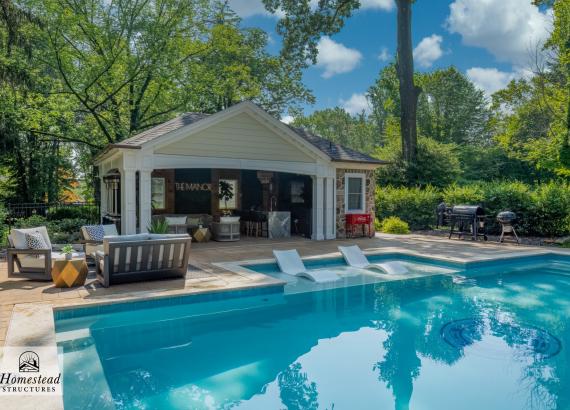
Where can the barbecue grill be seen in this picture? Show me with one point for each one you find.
(442, 211)
(468, 219)
(507, 219)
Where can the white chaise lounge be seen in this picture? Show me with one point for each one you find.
(291, 263)
(354, 257)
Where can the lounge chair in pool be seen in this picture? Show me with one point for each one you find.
(290, 263)
(354, 257)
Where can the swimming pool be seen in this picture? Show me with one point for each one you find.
(494, 336)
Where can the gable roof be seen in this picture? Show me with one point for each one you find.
(334, 151)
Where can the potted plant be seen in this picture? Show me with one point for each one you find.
(158, 226)
(67, 250)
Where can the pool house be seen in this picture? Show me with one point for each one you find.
(296, 182)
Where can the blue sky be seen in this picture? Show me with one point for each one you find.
(492, 41)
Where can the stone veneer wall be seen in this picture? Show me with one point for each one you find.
(369, 200)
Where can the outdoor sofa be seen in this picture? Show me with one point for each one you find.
(185, 223)
(141, 257)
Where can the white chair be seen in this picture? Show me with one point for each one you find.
(32, 263)
(291, 263)
(92, 244)
(354, 257)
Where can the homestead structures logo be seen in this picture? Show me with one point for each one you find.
(30, 371)
(29, 362)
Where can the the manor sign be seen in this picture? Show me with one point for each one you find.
(193, 186)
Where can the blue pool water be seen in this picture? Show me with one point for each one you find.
(494, 336)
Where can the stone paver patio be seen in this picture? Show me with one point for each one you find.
(205, 277)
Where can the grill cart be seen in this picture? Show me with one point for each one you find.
(468, 219)
(507, 219)
(442, 212)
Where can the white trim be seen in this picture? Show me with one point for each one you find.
(356, 165)
(363, 200)
(318, 209)
(167, 161)
(330, 208)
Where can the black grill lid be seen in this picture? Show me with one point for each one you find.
(467, 210)
(506, 216)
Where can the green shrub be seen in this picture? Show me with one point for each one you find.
(60, 231)
(437, 164)
(66, 230)
(416, 206)
(508, 196)
(543, 210)
(3, 225)
(73, 212)
(551, 213)
(377, 225)
(31, 222)
(463, 195)
(395, 225)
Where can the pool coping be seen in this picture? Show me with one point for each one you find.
(32, 324)
(240, 267)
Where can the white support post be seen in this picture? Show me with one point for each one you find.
(103, 198)
(318, 208)
(330, 219)
(128, 202)
(145, 199)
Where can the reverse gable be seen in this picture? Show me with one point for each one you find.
(241, 136)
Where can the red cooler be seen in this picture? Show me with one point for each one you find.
(355, 221)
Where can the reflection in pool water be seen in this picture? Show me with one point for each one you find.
(538, 342)
(495, 342)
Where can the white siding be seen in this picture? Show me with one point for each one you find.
(240, 137)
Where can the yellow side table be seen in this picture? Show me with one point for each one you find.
(202, 235)
(69, 273)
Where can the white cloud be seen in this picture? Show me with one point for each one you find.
(490, 80)
(386, 5)
(509, 29)
(249, 8)
(384, 55)
(356, 104)
(428, 50)
(287, 119)
(336, 58)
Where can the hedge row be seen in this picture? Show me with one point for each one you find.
(61, 231)
(542, 210)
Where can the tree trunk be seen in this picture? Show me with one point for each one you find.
(409, 92)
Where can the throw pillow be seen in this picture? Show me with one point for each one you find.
(175, 220)
(195, 221)
(95, 232)
(35, 240)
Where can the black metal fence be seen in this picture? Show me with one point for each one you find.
(53, 211)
